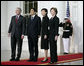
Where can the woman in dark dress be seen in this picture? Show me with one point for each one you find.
(53, 35)
(44, 33)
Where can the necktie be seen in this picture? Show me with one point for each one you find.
(32, 18)
(16, 19)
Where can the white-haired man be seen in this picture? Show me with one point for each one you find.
(16, 31)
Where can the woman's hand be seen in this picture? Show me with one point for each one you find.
(9, 34)
(56, 37)
(45, 36)
(22, 37)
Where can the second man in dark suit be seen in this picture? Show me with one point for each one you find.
(33, 32)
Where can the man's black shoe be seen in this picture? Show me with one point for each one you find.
(29, 60)
(12, 59)
(35, 60)
(17, 59)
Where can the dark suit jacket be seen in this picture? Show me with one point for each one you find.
(17, 28)
(33, 26)
(54, 26)
(44, 25)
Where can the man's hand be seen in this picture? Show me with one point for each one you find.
(22, 37)
(56, 37)
(45, 36)
(70, 37)
(9, 34)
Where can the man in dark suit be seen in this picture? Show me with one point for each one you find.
(33, 32)
(16, 30)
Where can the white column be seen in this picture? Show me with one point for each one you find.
(77, 21)
(7, 10)
(3, 17)
(80, 24)
(4, 22)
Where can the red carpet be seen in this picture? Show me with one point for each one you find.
(61, 59)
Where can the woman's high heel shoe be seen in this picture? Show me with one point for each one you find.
(44, 60)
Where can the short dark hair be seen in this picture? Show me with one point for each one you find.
(45, 10)
(34, 9)
(55, 9)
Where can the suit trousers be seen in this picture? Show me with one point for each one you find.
(15, 41)
(53, 50)
(33, 47)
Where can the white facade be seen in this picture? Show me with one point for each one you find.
(76, 11)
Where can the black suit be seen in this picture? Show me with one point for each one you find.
(33, 30)
(16, 28)
(53, 24)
